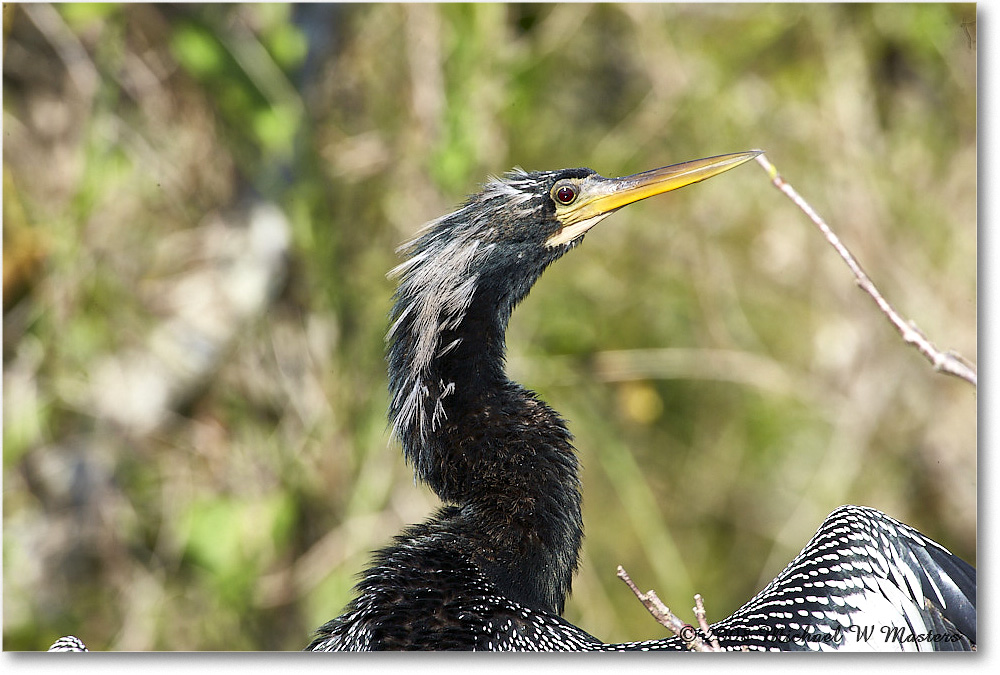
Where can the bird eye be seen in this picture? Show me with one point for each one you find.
(565, 194)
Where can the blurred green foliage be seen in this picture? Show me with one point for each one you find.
(726, 383)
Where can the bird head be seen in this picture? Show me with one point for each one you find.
(467, 270)
(505, 235)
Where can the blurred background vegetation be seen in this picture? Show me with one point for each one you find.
(200, 204)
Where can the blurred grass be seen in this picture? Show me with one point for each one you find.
(726, 383)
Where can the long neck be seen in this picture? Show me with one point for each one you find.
(484, 443)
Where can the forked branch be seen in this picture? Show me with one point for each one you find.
(686, 632)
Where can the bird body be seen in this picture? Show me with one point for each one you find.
(492, 569)
(864, 582)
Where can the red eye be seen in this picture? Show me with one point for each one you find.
(566, 194)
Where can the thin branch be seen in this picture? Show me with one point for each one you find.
(949, 362)
(699, 612)
(686, 632)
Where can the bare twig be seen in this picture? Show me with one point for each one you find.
(699, 612)
(949, 362)
(686, 632)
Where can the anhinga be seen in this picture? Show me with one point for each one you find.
(492, 568)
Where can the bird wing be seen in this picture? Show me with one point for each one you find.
(864, 581)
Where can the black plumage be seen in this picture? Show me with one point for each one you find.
(492, 569)
(863, 582)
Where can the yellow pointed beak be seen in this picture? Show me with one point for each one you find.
(598, 197)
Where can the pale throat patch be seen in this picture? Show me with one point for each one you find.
(571, 232)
